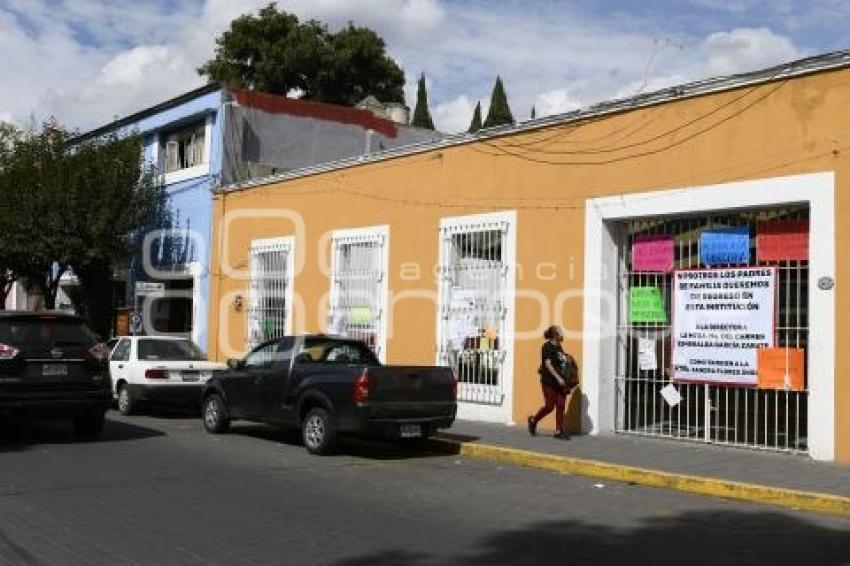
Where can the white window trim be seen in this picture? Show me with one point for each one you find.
(190, 172)
(600, 268)
(383, 232)
(284, 242)
(502, 414)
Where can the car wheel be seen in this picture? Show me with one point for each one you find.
(215, 416)
(126, 403)
(88, 426)
(319, 432)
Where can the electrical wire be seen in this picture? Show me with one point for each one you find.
(656, 137)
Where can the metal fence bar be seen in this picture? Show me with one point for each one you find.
(748, 417)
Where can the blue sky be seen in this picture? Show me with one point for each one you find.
(86, 61)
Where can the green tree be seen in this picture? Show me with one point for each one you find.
(9, 263)
(499, 112)
(421, 114)
(70, 204)
(275, 52)
(36, 233)
(533, 112)
(114, 197)
(475, 125)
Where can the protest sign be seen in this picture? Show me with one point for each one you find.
(721, 318)
(725, 246)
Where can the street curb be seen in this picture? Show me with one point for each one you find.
(714, 487)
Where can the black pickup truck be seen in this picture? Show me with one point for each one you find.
(326, 386)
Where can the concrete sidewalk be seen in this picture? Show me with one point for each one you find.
(760, 476)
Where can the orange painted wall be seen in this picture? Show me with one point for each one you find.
(790, 127)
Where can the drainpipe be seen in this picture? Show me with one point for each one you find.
(368, 148)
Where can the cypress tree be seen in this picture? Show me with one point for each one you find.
(475, 125)
(500, 111)
(421, 114)
(533, 112)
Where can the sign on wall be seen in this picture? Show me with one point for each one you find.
(721, 318)
(654, 253)
(725, 246)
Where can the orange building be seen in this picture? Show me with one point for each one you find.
(668, 234)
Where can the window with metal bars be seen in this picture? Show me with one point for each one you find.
(358, 286)
(472, 288)
(270, 290)
(774, 419)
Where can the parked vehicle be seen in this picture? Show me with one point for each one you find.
(53, 367)
(161, 369)
(329, 386)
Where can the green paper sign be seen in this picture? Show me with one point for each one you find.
(646, 305)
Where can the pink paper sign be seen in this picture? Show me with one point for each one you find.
(653, 253)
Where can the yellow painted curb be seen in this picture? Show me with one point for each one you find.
(727, 489)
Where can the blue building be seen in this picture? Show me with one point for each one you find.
(214, 136)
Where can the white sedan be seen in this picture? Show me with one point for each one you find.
(158, 369)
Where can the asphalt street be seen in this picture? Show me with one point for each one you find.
(159, 490)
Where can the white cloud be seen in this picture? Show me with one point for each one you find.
(453, 116)
(747, 49)
(549, 54)
(555, 101)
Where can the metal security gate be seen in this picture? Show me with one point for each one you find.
(723, 414)
(359, 286)
(270, 289)
(474, 331)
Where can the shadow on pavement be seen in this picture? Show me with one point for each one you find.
(19, 436)
(709, 538)
(366, 448)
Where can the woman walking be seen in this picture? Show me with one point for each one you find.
(557, 384)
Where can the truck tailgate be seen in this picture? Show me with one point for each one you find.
(411, 391)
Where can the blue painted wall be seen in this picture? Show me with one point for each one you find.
(189, 201)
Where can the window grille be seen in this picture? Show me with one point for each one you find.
(269, 288)
(473, 282)
(358, 287)
(723, 414)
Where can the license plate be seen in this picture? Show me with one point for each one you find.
(190, 377)
(410, 431)
(54, 369)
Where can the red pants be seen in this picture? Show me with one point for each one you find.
(555, 399)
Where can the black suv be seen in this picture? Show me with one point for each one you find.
(53, 366)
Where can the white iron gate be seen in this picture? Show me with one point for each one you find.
(270, 289)
(723, 414)
(475, 336)
(359, 286)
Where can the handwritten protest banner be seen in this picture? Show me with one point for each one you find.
(782, 368)
(653, 253)
(783, 240)
(721, 319)
(725, 246)
(646, 305)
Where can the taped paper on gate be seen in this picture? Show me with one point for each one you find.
(647, 360)
(646, 305)
(782, 368)
(671, 395)
(653, 253)
(725, 246)
(361, 316)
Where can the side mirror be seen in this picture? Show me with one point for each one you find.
(233, 363)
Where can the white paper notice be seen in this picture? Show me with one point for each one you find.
(722, 317)
(646, 354)
(671, 395)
